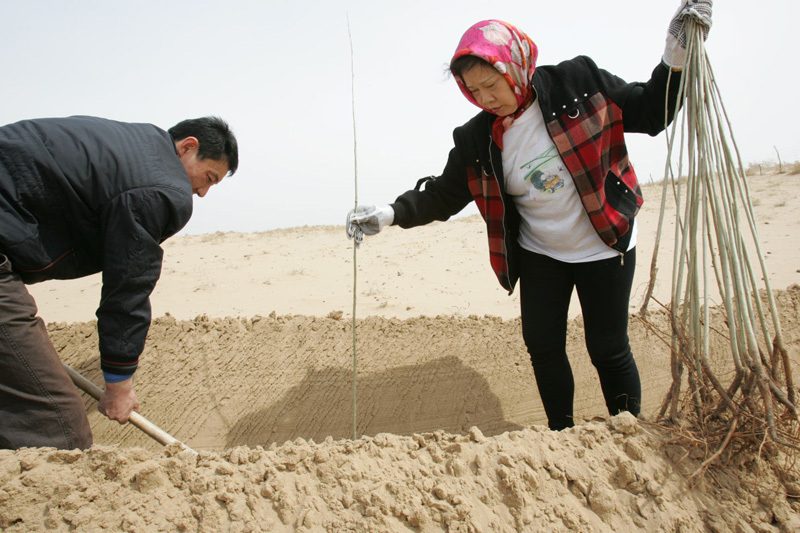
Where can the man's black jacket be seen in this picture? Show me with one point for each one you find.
(82, 195)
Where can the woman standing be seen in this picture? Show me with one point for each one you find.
(546, 163)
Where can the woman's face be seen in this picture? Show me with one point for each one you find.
(490, 90)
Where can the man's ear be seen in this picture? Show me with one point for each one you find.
(187, 144)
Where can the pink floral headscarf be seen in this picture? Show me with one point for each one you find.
(512, 53)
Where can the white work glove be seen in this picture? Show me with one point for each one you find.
(368, 220)
(675, 49)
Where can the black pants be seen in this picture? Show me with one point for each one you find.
(604, 289)
(39, 405)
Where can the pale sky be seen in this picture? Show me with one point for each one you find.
(280, 73)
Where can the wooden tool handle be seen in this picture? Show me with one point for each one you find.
(136, 419)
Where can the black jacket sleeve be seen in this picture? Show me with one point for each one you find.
(439, 198)
(134, 225)
(648, 107)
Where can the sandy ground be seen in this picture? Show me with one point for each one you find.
(249, 361)
(439, 269)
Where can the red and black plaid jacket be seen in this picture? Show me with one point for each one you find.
(586, 110)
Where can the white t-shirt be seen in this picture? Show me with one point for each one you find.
(554, 222)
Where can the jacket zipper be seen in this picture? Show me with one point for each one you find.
(505, 230)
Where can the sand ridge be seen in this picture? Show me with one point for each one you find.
(612, 475)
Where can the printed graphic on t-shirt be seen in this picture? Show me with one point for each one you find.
(544, 179)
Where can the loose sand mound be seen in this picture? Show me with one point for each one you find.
(451, 438)
(603, 476)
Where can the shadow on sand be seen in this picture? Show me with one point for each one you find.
(441, 395)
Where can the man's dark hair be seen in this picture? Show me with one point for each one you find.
(216, 139)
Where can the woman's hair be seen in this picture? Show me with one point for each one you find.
(466, 63)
